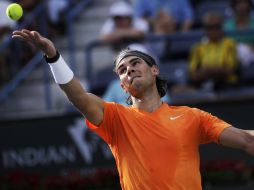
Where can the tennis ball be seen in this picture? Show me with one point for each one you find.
(14, 11)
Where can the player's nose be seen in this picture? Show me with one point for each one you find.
(130, 70)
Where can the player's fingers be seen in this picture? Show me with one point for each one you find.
(20, 33)
(25, 31)
(17, 32)
(32, 36)
(18, 36)
(36, 35)
(25, 38)
(28, 33)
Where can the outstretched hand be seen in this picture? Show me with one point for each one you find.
(35, 39)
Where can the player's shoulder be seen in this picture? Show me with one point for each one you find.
(179, 108)
(116, 106)
(191, 110)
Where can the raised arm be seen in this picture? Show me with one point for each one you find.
(238, 138)
(88, 104)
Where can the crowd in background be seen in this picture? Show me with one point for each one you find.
(215, 62)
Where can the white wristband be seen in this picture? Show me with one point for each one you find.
(61, 71)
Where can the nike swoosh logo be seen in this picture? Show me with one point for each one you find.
(175, 117)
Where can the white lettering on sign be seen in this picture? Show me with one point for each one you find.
(31, 157)
(87, 142)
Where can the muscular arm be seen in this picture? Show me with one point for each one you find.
(89, 105)
(238, 138)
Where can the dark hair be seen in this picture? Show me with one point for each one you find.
(129, 52)
(161, 83)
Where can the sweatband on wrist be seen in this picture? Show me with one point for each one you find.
(52, 59)
(61, 71)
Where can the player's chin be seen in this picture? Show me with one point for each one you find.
(136, 93)
(136, 87)
(136, 80)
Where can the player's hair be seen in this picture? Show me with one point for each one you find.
(161, 83)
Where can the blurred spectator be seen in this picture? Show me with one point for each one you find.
(56, 9)
(28, 5)
(242, 20)
(179, 14)
(214, 60)
(114, 92)
(6, 26)
(122, 28)
(202, 7)
(165, 17)
(56, 14)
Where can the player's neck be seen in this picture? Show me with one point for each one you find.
(147, 104)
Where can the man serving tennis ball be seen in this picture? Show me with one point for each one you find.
(155, 145)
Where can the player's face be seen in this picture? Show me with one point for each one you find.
(136, 75)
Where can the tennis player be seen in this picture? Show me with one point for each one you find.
(155, 145)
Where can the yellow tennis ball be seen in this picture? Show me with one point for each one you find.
(14, 11)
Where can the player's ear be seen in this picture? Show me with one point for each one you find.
(155, 69)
